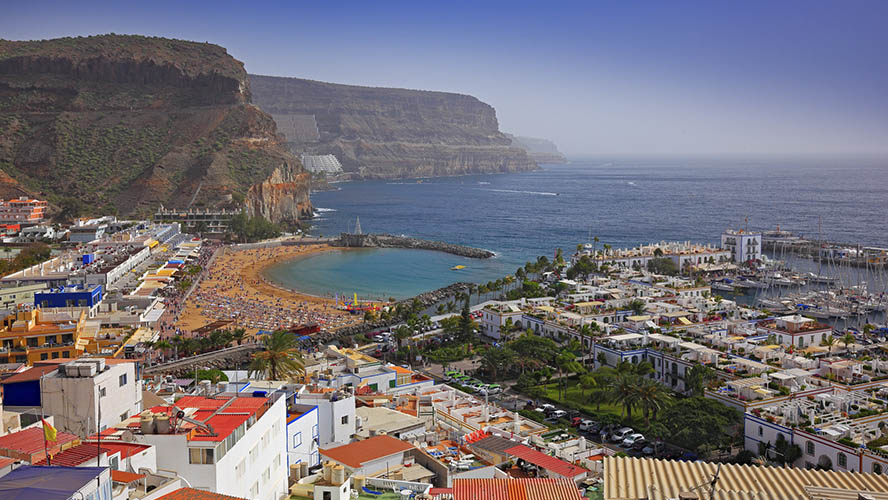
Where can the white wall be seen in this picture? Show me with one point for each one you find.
(73, 401)
(375, 466)
(307, 450)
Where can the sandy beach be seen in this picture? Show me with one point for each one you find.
(235, 289)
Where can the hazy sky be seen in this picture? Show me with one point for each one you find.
(648, 78)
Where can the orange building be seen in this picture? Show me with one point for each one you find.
(27, 335)
(22, 210)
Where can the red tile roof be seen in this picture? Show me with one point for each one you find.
(120, 476)
(356, 454)
(224, 422)
(6, 461)
(192, 494)
(515, 489)
(126, 450)
(75, 456)
(30, 374)
(547, 462)
(30, 440)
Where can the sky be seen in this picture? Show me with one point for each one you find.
(792, 77)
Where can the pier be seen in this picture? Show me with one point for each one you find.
(391, 241)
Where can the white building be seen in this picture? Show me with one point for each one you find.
(229, 443)
(795, 330)
(89, 390)
(335, 414)
(303, 435)
(743, 246)
(370, 456)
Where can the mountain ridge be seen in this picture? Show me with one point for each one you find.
(382, 132)
(124, 123)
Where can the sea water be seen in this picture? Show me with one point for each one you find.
(622, 202)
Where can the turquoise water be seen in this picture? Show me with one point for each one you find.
(379, 273)
(622, 202)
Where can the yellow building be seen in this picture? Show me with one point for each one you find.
(27, 335)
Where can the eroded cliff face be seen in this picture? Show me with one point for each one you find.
(125, 123)
(389, 133)
(279, 198)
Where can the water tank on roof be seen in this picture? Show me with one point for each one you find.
(259, 394)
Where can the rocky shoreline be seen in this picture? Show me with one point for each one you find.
(392, 241)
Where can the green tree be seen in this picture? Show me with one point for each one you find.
(697, 422)
(638, 307)
(662, 265)
(848, 339)
(280, 359)
(651, 397)
(697, 378)
(402, 333)
(497, 360)
(587, 382)
(623, 392)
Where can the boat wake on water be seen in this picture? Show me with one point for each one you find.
(513, 191)
(322, 210)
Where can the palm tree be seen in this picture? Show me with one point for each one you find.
(829, 341)
(848, 339)
(624, 393)
(638, 307)
(401, 333)
(697, 378)
(651, 397)
(280, 359)
(587, 382)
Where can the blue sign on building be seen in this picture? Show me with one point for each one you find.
(69, 296)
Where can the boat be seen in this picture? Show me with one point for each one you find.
(721, 286)
(819, 278)
(457, 268)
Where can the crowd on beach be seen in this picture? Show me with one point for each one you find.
(234, 290)
(175, 297)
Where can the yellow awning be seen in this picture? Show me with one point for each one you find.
(685, 321)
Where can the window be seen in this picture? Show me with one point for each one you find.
(55, 355)
(877, 468)
(314, 431)
(124, 416)
(101, 392)
(66, 354)
(761, 430)
(297, 440)
(391, 383)
(122, 380)
(843, 460)
(239, 469)
(344, 419)
(43, 356)
(200, 456)
(809, 447)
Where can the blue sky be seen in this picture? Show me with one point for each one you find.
(599, 78)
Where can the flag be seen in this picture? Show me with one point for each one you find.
(49, 432)
(356, 298)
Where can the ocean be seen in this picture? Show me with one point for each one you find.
(622, 202)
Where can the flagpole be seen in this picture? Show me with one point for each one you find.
(43, 424)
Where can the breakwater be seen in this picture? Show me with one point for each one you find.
(392, 241)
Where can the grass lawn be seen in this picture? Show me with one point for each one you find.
(575, 399)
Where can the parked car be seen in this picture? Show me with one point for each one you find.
(640, 444)
(620, 434)
(491, 389)
(630, 440)
(558, 414)
(576, 421)
(587, 425)
(547, 408)
(653, 448)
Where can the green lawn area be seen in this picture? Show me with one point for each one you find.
(575, 399)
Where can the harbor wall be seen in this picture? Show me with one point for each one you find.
(392, 241)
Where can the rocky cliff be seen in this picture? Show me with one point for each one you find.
(389, 133)
(125, 123)
(541, 150)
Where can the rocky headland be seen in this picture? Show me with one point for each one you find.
(121, 124)
(388, 132)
